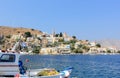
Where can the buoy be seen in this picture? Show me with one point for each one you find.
(27, 60)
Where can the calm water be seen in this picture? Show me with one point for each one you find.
(85, 66)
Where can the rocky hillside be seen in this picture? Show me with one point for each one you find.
(5, 30)
(110, 43)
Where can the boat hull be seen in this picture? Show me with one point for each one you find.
(33, 74)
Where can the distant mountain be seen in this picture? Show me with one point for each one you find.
(109, 43)
(6, 30)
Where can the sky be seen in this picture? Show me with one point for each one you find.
(85, 19)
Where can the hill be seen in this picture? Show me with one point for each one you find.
(6, 30)
(113, 43)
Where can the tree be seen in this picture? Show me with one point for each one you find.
(36, 49)
(61, 35)
(78, 50)
(2, 39)
(56, 35)
(98, 45)
(108, 51)
(72, 48)
(55, 44)
(118, 51)
(73, 41)
(80, 45)
(8, 36)
(61, 40)
(66, 42)
(27, 34)
(74, 37)
(86, 48)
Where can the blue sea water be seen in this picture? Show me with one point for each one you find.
(85, 66)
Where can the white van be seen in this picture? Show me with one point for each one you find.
(9, 64)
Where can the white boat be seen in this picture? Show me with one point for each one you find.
(11, 66)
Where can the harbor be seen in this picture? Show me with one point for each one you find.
(59, 38)
(84, 66)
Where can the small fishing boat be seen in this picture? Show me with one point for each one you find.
(12, 66)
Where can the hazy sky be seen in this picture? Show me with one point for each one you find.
(86, 19)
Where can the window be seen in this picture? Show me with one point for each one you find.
(7, 58)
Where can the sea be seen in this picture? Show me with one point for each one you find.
(84, 66)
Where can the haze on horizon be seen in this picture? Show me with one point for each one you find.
(91, 19)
